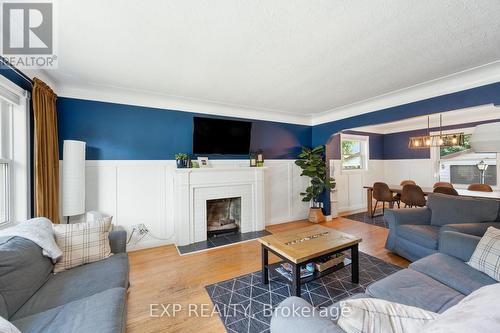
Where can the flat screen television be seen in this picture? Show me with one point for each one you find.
(220, 136)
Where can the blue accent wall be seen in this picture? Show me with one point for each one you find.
(14, 76)
(396, 146)
(488, 94)
(125, 132)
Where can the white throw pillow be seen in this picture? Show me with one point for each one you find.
(92, 216)
(476, 313)
(486, 257)
(82, 243)
(371, 315)
(7, 327)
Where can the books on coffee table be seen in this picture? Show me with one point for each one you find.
(285, 269)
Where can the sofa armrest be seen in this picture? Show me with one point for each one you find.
(476, 229)
(118, 241)
(395, 217)
(458, 245)
(295, 315)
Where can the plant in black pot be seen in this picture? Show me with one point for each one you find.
(313, 165)
(181, 159)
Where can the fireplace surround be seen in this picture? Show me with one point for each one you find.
(193, 188)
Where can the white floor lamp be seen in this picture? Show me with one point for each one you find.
(73, 178)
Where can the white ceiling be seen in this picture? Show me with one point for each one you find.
(289, 60)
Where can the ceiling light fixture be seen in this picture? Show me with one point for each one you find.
(438, 140)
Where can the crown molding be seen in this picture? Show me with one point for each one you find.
(456, 117)
(471, 78)
(161, 101)
(475, 77)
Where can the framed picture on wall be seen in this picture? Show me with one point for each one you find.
(203, 162)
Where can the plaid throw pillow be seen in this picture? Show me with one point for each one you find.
(82, 243)
(486, 257)
(368, 315)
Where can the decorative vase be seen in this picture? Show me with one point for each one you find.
(316, 215)
(181, 164)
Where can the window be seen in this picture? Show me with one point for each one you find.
(458, 164)
(469, 174)
(354, 150)
(5, 160)
(14, 156)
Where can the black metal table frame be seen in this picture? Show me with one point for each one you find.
(296, 267)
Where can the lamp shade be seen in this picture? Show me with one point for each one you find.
(486, 138)
(73, 178)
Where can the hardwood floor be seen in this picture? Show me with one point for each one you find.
(161, 276)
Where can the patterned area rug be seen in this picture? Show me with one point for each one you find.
(245, 304)
(365, 218)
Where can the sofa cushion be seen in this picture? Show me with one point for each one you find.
(103, 312)
(424, 235)
(413, 288)
(295, 315)
(476, 229)
(448, 209)
(452, 272)
(477, 313)
(78, 283)
(23, 270)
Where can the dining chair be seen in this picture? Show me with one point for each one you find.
(480, 187)
(382, 193)
(443, 184)
(413, 196)
(403, 183)
(445, 190)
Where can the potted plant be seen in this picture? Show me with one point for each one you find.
(181, 160)
(313, 165)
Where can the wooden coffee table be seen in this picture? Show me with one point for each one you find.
(299, 247)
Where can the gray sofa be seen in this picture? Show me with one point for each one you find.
(89, 298)
(415, 233)
(435, 283)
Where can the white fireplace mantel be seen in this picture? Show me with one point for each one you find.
(193, 187)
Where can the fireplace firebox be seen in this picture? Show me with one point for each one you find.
(223, 216)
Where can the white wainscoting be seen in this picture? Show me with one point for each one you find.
(351, 196)
(419, 170)
(142, 192)
(349, 193)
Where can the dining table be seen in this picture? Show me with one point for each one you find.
(495, 195)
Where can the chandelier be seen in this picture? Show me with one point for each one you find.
(437, 140)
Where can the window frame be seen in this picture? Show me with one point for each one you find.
(436, 157)
(365, 151)
(18, 162)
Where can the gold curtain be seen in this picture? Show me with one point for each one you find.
(46, 151)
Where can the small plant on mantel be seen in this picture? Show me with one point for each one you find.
(181, 160)
(313, 165)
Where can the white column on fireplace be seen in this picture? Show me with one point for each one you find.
(193, 187)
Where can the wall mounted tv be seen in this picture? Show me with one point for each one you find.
(221, 136)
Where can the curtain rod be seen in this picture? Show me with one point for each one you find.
(17, 71)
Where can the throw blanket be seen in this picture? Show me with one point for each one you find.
(39, 231)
